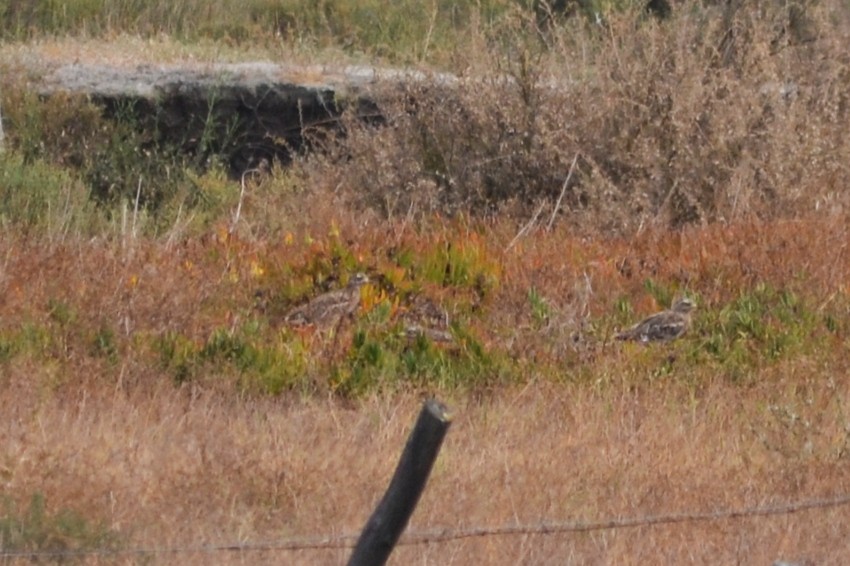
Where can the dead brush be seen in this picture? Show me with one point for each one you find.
(715, 115)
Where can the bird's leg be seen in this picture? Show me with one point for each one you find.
(336, 331)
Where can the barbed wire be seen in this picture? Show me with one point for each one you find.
(348, 540)
(624, 523)
(329, 542)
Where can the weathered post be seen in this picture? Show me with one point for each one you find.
(390, 517)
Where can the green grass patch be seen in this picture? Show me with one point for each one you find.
(761, 326)
(382, 359)
(263, 363)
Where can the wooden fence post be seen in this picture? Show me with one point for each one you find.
(390, 517)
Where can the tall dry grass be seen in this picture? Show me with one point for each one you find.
(174, 469)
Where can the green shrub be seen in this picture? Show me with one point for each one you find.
(37, 196)
(104, 344)
(72, 161)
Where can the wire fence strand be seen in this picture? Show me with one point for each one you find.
(348, 540)
(624, 523)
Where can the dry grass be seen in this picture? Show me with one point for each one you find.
(132, 51)
(183, 468)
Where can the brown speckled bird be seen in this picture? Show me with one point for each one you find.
(423, 311)
(424, 317)
(329, 308)
(414, 331)
(663, 326)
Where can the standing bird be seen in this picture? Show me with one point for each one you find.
(663, 326)
(329, 308)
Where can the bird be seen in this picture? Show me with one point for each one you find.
(414, 331)
(423, 311)
(663, 326)
(424, 317)
(329, 308)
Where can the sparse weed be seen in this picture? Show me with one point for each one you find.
(540, 310)
(7, 347)
(663, 295)
(104, 344)
(405, 32)
(36, 529)
(178, 355)
(458, 263)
